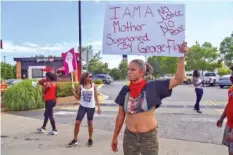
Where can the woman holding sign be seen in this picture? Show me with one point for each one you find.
(137, 103)
(87, 94)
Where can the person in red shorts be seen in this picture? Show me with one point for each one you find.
(228, 112)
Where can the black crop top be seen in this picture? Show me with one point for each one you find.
(150, 97)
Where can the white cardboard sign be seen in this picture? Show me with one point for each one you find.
(144, 29)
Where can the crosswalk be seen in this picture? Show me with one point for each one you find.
(183, 107)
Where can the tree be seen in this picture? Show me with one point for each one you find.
(115, 73)
(226, 50)
(224, 70)
(203, 57)
(123, 68)
(163, 65)
(7, 71)
(96, 66)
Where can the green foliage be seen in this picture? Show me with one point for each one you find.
(22, 96)
(224, 71)
(123, 69)
(115, 73)
(7, 71)
(226, 50)
(163, 65)
(98, 82)
(65, 89)
(203, 57)
(95, 66)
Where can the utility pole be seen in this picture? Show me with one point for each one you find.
(80, 34)
(87, 59)
(1, 45)
(4, 59)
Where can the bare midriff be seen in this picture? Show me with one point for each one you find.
(141, 122)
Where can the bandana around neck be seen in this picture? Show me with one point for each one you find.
(136, 88)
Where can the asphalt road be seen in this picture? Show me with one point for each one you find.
(176, 117)
(180, 94)
(189, 127)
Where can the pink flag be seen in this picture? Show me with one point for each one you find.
(69, 61)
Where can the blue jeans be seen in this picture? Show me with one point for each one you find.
(199, 94)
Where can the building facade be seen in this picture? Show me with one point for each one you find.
(36, 68)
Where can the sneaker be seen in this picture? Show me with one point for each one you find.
(41, 130)
(73, 142)
(90, 142)
(53, 132)
(198, 111)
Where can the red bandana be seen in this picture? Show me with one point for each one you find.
(136, 88)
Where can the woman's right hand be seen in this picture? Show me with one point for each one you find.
(219, 123)
(114, 145)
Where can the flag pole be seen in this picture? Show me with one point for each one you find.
(72, 78)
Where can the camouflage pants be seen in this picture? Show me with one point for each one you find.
(141, 143)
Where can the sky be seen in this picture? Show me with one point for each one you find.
(38, 27)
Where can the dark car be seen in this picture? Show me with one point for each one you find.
(225, 81)
(107, 79)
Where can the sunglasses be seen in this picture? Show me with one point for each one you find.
(90, 76)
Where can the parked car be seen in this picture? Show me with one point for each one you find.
(11, 82)
(165, 77)
(188, 79)
(107, 79)
(225, 81)
(210, 78)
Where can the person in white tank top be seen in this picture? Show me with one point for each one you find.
(87, 95)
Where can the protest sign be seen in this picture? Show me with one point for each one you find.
(144, 29)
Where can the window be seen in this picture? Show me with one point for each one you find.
(37, 73)
(210, 74)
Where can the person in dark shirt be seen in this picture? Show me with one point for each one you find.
(137, 103)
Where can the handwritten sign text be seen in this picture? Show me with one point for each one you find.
(144, 29)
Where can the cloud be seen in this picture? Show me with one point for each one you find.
(32, 48)
(96, 45)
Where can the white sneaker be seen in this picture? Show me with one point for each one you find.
(53, 133)
(41, 130)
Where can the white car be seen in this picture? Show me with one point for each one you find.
(165, 77)
(210, 78)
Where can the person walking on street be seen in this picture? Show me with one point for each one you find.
(137, 103)
(49, 93)
(228, 112)
(197, 82)
(88, 96)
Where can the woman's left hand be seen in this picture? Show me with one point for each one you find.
(185, 48)
(99, 111)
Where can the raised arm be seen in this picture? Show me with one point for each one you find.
(46, 86)
(180, 73)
